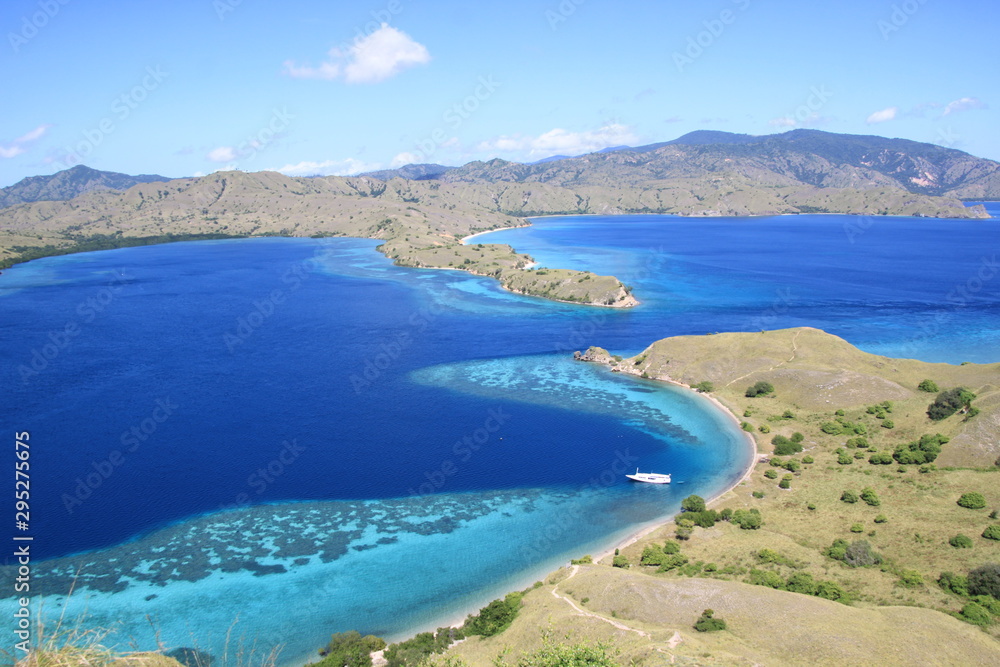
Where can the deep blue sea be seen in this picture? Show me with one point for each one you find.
(298, 433)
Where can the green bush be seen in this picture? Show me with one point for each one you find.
(562, 655)
(954, 583)
(839, 413)
(747, 426)
(495, 617)
(705, 623)
(929, 386)
(765, 578)
(910, 578)
(759, 389)
(831, 428)
(961, 541)
(788, 414)
(771, 556)
(671, 548)
(976, 614)
(888, 423)
(764, 428)
(801, 582)
(808, 459)
(985, 580)
(785, 447)
(857, 528)
(924, 450)
(830, 591)
(672, 562)
(973, 501)
(791, 465)
(844, 459)
(797, 437)
(949, 402)
(992, 532)
(652, 555)
(785, 484)
(881, 518)
(811, 506)
(870, 497)
(757, 494)
(350, 649)
(880, 458)
(747, 519)
(704, 387)
(620, 561)
(771, 473)
(860, 441)
(849, 497)
(693, 504)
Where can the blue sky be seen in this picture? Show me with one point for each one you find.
(305, 87)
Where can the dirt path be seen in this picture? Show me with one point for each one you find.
(581, 612)
(795, 349)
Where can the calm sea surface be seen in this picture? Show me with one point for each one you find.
(297, 433)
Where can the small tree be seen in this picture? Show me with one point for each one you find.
(849, 497)
(704, 387)
(620, 561)
(929, 386)
(861, 554)
(976, 614)
(961, 541)
(992, 532)
(759, 389)
(869, 496)
(985, 580)
(949, 402)
(973, 501)
(694, 504)
(708, 623)
(954, 583)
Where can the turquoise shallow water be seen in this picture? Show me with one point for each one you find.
(383, 448)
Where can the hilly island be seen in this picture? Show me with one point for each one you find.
(861, 528)
(422, 220)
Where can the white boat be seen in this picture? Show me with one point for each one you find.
(649, 477)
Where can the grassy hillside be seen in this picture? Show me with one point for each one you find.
(890, 613)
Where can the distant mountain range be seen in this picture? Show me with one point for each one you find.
(804, 157)
(68, 184)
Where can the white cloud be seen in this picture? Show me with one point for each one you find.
(784, 121)
(18, 146)
(964, 104)
(883, 115)
(561, 142)
(404, 159)
(222, 154)
(377, 57)
(327, 168)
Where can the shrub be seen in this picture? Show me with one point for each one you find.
(726, 514)
(495, 617)
(748, 412)
(705, 519)
(764, 428)
(756, 494)
(881, 518)
(857, 528)
(791, 465)
(811, 506)
(672, 562)
(808, 459)
(771, 473)
(954, 583)
(785, 447)
(747, 426)
(973, 501)
(849, 497)
(350, 649)
(976, 614)
(888, 423)
(705, 623)
(772, 556)
(759, 389)
(949, 402)
(880, 458)
(788, 414)
(985, 580)
(839, 413)
(844, 459)
(652, 555)
(671, 548)
(765, 578)
(747, 519)
(831, 428)
(620, 561)
(910, 578)
(992, 532)
(693, 504)
(785, 484)
(961, 541)
(704, 387)
(929, 386)
(856, 554)
(859, 441)
(797, 437)
(801, 582)
(920, 451)
(869, 496)
(830, 591)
